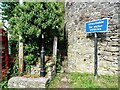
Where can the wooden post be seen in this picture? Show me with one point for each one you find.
(20, 56)
(20, 50)
(55, 49)
(21, 2)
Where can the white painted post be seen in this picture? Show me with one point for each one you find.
(21, 2)
(20, 50)
(55, 49)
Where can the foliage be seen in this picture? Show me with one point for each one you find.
(3, 84)
(1, 24)
(12, 71)
(30, 20)
(8, 8)
(54, 82)
(58, 62)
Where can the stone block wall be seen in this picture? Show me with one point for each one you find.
(81, 44)
(49, 66)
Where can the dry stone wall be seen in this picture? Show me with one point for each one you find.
(81, 44)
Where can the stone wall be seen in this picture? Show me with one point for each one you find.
(50, 68)
(81, 44)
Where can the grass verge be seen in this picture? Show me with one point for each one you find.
(84, 80)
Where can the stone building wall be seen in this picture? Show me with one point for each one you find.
(81, 44)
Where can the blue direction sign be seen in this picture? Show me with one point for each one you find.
(100, 25)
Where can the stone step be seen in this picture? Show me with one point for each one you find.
(23, 82)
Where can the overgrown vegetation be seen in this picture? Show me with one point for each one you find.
(30, 20)
(54, 82)
(1, 24)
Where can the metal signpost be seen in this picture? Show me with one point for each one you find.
(100, 25)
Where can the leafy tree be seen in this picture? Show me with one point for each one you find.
(8, 8)
(1, 24)
(30, 20)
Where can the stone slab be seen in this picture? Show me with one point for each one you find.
(23, 82)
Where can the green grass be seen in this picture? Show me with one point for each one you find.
(84, 80)
(54, 82)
